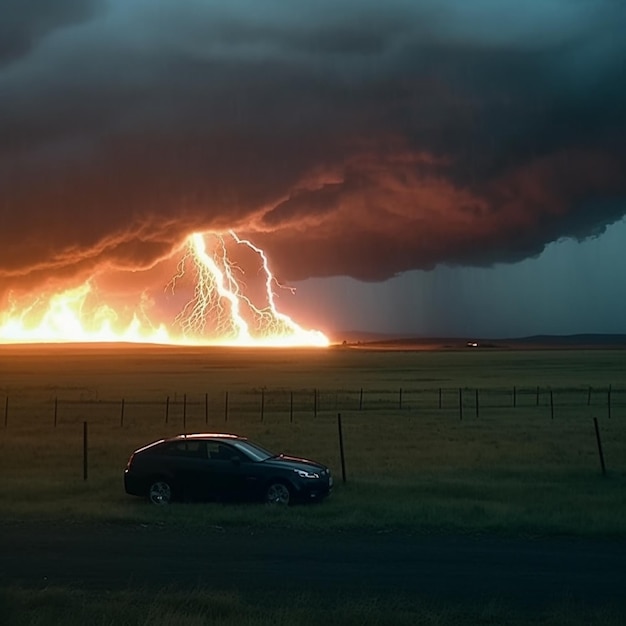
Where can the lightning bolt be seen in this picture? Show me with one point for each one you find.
(221, 311)
(276, 322)
(216, 293)
(219, 295)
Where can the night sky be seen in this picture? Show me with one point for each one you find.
(425, 166)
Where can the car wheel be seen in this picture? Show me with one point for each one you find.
(278, 493)
(160, 492)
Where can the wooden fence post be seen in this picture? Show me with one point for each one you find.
(400, 399)
(85, 449)
(514, 396)
(361, 400)
(537, 398)
(599, 441)
(167, 409)
(341, 452)
(460, 403)
(440, 398)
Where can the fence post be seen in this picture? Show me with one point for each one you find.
(206, 408)
(514, 396)
(460, 403)
(122, 414)
(341, 452)
(440, 399)
(400, 399)
(599, 441)
(55, 411)
(361, 400)
(185, 412)
(167, 409)
(537, 400)
(85, 448)
(226, 406)
(477, 405)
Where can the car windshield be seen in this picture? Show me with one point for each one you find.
(253, 450)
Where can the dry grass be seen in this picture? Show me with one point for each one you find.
(410, 464)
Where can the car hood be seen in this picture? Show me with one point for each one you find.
(292, 462)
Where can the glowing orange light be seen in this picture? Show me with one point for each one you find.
(219, 312)
(66, 316)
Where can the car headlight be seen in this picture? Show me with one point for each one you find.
(304, 474)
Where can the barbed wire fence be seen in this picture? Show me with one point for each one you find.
(215, 407)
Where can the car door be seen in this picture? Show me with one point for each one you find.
(187, 462)
(228, 471)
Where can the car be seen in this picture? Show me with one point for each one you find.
(222, 467)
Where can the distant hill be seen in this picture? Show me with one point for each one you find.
(358, 336)
(402, 342)
(589, 339)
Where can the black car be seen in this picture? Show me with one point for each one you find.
(222, 467)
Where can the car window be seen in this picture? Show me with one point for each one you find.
(253, 451)
(218, 451)
(185, 448)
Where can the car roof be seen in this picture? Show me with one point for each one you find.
(207, 436)
(192, 436)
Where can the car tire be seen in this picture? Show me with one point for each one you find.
(278, 492)
(160, 491)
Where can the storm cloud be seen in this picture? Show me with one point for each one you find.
(348, 137)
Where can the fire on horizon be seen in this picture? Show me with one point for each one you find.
(222, 309)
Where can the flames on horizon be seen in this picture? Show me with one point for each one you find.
(221, 293)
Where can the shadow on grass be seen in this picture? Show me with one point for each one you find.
(172, 607)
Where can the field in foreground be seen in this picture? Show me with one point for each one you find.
(131, 573)
(434, 441)
(170, 607)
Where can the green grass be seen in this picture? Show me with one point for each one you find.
(506, 504)
(171, 607)
(417, 467)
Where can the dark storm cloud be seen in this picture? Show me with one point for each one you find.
(23, 23)
(351, 137)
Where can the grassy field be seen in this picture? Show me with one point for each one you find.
(435, 442)
(171, 607)
(521, 461)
